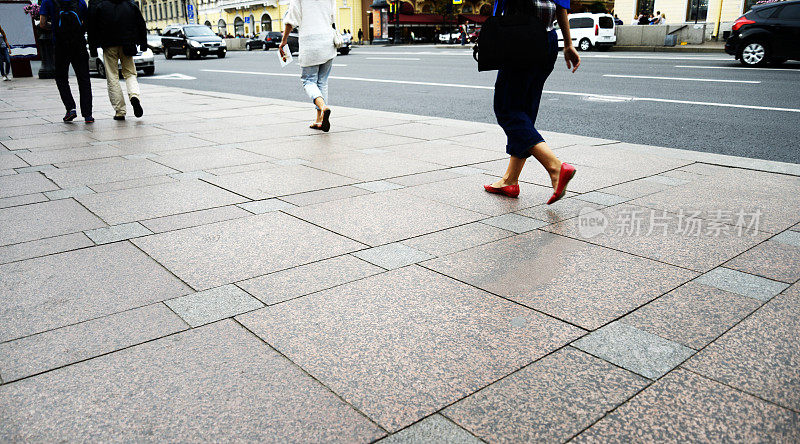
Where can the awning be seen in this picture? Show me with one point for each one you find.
(423, 19)
(472, 18)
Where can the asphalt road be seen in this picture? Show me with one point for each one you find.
(702, 102)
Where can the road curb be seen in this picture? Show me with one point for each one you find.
(685, 49)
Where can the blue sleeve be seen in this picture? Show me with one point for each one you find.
(45, 8)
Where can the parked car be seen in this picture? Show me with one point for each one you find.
(293, 42)
(154, 43)
(192, 41)
(768, 33)
(590, 31)
(144, 61)
(451, 36)
(265, 41)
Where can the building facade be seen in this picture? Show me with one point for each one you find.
(707, 12)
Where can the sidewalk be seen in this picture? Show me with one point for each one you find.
(199, 275)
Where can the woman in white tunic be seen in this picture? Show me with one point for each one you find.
(317, 50)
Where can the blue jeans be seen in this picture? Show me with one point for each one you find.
(315, 80)
(5, 61)
(517, 93)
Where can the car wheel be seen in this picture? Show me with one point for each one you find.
(167, 53)
(344, 51)
(101, 69)
(189, 54)
(249, 48)
(754, 53)
(584, 45)
(221, 54)
(149, 71)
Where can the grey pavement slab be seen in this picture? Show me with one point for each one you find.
(186, 387)
(279, 181)
(194, 218)
(26, 199)
(401, 345)
(319, 196)
(68, 192)
(684, 407)
(638, 188)
(378, 186)
(113, 170)
(367, 138)
(116, 233)
(43, 247)
(633, 349)
(550, 400)
(9, 161)
(204, 158)
(788, 238)
(666, 180)
(759, 355)
(574, 281)
(391, 256)
(225, 252)
(423, 178)
(212, 305)
(380, 218)
(451, 240)
(514, 222)
(45, 219)
(469, 171)
(566, 208)
(129, 205)
(35, 169)
(744, 284)
(265, 206)
(615, 157)
(602, 198)
(299, 281)
(693, 314)
(372, 167)
(132, 183)
(447, 153)
(192, 175)
(50, 141)
(41, 294)
(434, 428)
(423, 130)
(774, 259)
(678, 239)
(62, 346)
(24, 183)
(158, 144)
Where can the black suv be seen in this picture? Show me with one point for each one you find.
(768, 33)
(265, 41)
(192, 41)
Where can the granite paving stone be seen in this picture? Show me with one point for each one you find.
(194, 218)
(378, 186)
(403, 344)
(788, 238)
(776, 260)
(580, 283)
(391, 256)
(615, 156)
(186, 387)
(760, 354)
(447, 153)
(129, 205)
(434, 428)
(665, 180)
(45, 219)
(744, 284)
(49, 292)
(116, 233)
(9, 161)
(299, 281)
(192, 175)
(548, 401)
(451, 240)
(24, 183)
(203, 158)
(367, 138)
(426, 131)
(225, 252)
(633, 349)
(25, 199)
(35, 169)
(676, 239)
(68, 192)
(132, 183)
(110, 171)
(602, 198)
(566, 208)
(212, 305)
(279, 181)
(423, 178)
(43, 247)
(62, 346)
(265, 206)
(50, 141)
(514, 222)
(372, 167)
(468, 171)
(684, 407)
(379, 218)
(326, 195)
(693, 314)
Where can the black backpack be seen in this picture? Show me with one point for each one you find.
(67, 22)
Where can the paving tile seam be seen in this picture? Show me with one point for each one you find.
(366, 246)
(12, 381)
(446, 418)
(757, 245)
(645, 177)
(307, 373)
(49, 254)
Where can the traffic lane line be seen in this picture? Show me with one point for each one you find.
(394, 58)
(755, 70)
(685, 79)
(591, 96)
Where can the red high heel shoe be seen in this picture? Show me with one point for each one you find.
(566, 174)
(508, 190)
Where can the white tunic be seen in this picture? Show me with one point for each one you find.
(314, 19)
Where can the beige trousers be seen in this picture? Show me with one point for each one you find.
(111, 56)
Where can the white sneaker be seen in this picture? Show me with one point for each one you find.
(6, 79)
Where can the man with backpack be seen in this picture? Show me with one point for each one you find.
(67, 18)
(118, 27)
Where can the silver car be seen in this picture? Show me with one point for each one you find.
(144, 61)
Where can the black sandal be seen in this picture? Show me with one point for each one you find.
(325, 126)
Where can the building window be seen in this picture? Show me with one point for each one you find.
(646, 6)
(222, 27)
(266, 22)
(160, 12)
(697, 11)
(238, 27)
(748, 5)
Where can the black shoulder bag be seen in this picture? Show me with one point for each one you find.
(517, 40)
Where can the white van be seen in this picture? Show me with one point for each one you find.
(590, 31)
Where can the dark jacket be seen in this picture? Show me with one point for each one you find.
(116, 23)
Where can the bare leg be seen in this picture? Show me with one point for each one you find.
(320, 107)
(540, 152)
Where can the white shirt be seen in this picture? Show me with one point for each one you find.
(314, 19)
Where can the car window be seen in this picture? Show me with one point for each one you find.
(198, 31)
(606, 22)
(583, 22)
(764, 12)
(790, 12)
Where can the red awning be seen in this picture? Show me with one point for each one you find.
(472, 18)
(422, 19)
